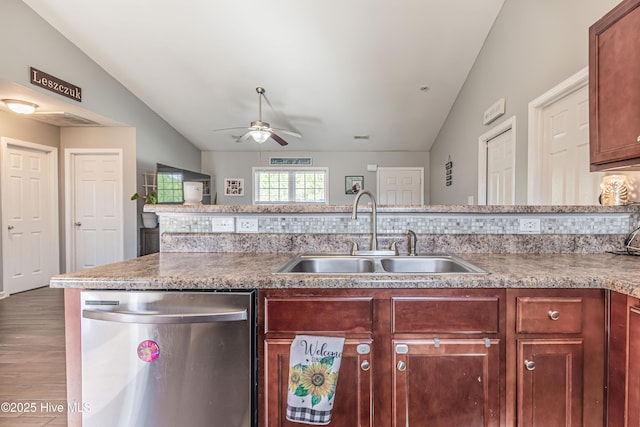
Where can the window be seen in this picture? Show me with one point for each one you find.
(170, 187)
(290, 185)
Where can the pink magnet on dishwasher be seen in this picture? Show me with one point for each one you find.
(148, 351)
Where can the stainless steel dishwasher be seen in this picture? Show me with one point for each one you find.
(168, 359)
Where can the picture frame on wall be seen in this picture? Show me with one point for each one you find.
(353, 184)
(234, 187)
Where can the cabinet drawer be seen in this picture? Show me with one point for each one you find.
(318, 314)
(549, 315)
(445, 314)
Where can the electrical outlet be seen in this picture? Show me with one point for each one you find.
(246, 225)
(223, 225)
(529, 225)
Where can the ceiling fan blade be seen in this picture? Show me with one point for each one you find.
(279, 140)
(244, 137)
(288, 132)
(236, 128)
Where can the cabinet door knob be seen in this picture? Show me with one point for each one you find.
(365, 365)
(638, 139)
(10, 227)
(77, 224)
(530, 365)
(402, 366)
(554, 315)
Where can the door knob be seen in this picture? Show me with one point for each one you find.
(78, 224)
(10, 227)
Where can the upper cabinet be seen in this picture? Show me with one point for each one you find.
(614, 88)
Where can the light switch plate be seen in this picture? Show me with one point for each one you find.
(246, 225)
(223, 225)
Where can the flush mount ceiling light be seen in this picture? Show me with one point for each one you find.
(20, 107)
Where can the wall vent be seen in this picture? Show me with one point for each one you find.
(63, 119)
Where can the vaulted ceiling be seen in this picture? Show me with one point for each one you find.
(389, 70)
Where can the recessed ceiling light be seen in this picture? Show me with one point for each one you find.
(20, 107)
(361, 137)
(424, 88)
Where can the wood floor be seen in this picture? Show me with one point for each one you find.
(32, 359)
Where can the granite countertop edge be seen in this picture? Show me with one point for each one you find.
(219, 271)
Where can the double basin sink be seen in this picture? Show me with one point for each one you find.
(325, 263)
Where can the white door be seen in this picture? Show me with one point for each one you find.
(566, 175)
(497, 164)
(96, 223)
(500, 169)
(559, 146)
(400, 186)
(29, 215)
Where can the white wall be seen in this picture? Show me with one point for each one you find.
(532, 46)
(221, 165)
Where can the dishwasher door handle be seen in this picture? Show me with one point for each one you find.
(158, 318)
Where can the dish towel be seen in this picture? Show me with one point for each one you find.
(314, 362)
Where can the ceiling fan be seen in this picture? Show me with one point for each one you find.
(260, 131)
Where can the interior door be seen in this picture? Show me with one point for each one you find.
(29, 215)
(567, 178)
(96, 217)
(500, 169)
(400, 185)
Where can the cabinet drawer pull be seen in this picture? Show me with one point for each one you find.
(402, 366)
(530, 365)
(554, 315)
(365, 365)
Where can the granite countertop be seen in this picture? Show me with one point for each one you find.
(436, 209)
(184, 271)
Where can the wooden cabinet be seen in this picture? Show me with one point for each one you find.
(149, 241)
(409, 359)
(288, 313)
(560, 357)
(447, 357)
(614, 88)
(624, 361)
(442, 357)
(447, 382)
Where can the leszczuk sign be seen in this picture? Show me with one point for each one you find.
(54, 84)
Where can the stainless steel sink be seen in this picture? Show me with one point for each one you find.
(378, 264)
(429, 264)
(328, 264)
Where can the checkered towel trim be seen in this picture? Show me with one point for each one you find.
(307, 415)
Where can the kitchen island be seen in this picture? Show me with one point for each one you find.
(544, 302)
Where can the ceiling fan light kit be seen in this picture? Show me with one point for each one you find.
(259, 130)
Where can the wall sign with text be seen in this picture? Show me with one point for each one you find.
(54, 84)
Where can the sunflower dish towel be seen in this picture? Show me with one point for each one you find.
(314, 363)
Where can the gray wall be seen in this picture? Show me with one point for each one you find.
(221, 165)
(39, 45)
(29, 41)
(532, 46)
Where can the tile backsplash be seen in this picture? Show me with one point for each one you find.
(467, 231)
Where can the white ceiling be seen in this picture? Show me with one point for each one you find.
(331, 69)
